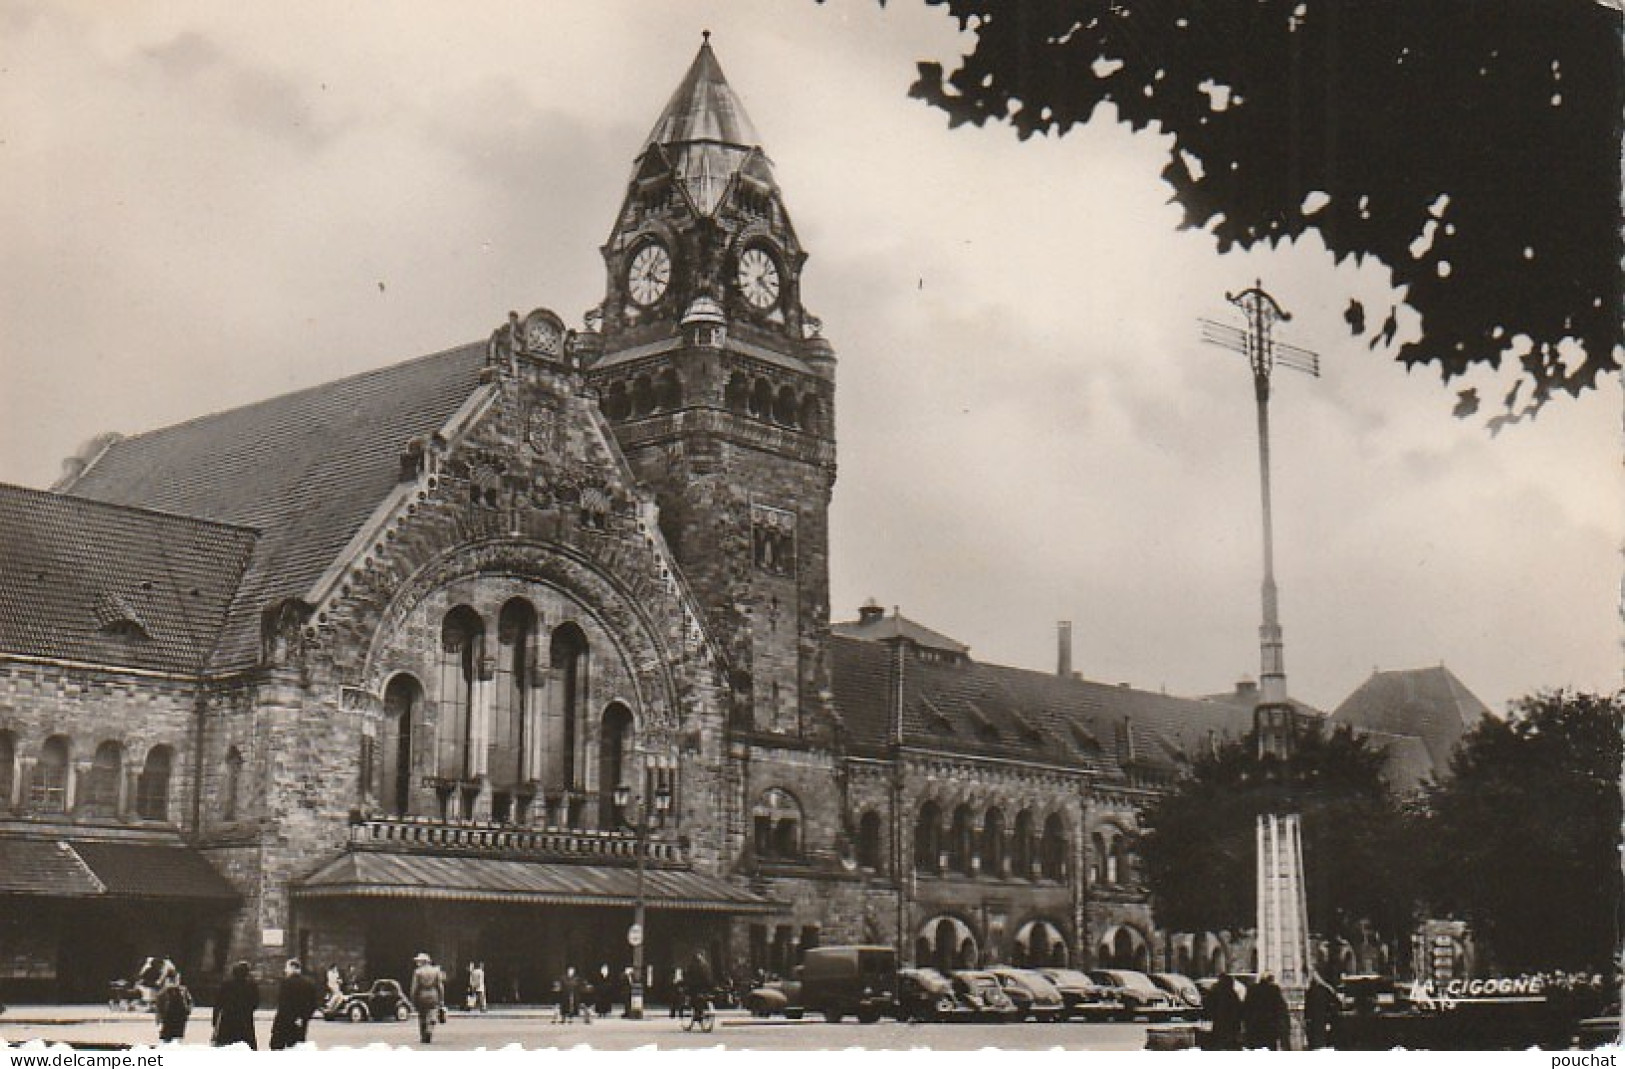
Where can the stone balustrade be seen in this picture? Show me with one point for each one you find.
(474, 837)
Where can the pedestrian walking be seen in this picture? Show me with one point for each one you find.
(476, 986)
(1223, 1008)
(603, 989)
(1265, 1019)
(679, 992)
(172, 1007)
(1321, 1006)
(234, 1006)
(428, 995)
(569, 988)
(297, 1000)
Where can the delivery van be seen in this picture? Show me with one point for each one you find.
(857, 980)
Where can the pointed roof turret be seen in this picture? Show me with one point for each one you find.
(704, 132)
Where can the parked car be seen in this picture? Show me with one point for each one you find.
(1085, 1000)
(1139, 996)
(982, 992)
(383, 1001)
(776, 997)
(857, 980)
(1033, 995)
(927, 995)
(1188, 1000)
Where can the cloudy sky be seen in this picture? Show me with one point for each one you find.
(207, 204)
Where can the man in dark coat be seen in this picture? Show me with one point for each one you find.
(296, 1002)
(1264, 1016)
(234, 1006)
(1223, 1008)
(173, 1007)
(1321, 1006)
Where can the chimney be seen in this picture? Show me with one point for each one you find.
(1247, 691)
(1063, 649)
(869, 612)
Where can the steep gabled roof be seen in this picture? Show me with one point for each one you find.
(1427, 702)
(877, 627)
(111, 584)
(705, 136)
(305, 469)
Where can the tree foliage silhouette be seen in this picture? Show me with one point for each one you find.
(1472, 147)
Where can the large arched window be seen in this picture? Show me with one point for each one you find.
(507, 763)
(1052, 851)
(462, 647)
(962, 841)
(1021, 846)
(776, 821)
(568, 658)
(928, 839)
(614, 747)
(8, 769)
(232, 789)
(152, 788)
(869, 855)
(993, 843)
(106, 772)
(49, 791)
(403, 700)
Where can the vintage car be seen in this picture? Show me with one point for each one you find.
(1085, 999)
(776, 997)
(1032, 994)
(383, 1001)
(982, 992)
(1139, 996)
(927, 995)
(1187, 997)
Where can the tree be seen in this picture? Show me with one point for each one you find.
(1525, 833)
(1472, 147)
(1199, 849)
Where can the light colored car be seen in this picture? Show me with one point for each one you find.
(1085, 999)
(983, 993)
(1140, 997)
(1032, 993)
(1182, 988)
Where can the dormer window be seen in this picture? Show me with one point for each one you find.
(117, 617)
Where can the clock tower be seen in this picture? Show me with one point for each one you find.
(721, 394)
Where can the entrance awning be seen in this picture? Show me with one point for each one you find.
(90, 869)
(376, 874)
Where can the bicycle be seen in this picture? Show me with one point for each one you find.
(699, 1013)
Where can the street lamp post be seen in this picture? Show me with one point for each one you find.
(662, 802)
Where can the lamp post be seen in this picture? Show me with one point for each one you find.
(623, 801)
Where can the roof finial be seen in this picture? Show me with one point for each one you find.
(705, 37)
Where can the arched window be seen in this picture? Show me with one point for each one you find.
(812, 413)
(506, 765)
(777, 824)
(668, 390)
(961, 841)
(1097, 858)
(928, 839)
(49, 791)
(462, 648)
(616, 405)
(152, 788)
(8, 769)
(1021, 846)
(614, 744)
(233, 785)
(1123, 860)
(1052, 852)
(761, 399)
(1111, 874)
(736, 396)
(643, 397)
(869, 841)
(101, 792)
(403, 702)
(785, 407)
(993, 843)
(568, 656)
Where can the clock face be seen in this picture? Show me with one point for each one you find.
(649, 274)
(758, 277)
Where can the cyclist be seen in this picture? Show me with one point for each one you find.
(698, 983)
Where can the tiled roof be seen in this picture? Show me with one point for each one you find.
(73, 868)
(111, 584)
(376, 874)
(1020, 714)
(705, 134)
(1409, 762)
(306, 469)
(1428, 702)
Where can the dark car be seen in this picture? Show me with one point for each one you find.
(1139, 996)
(775, 997)
(1033, 995)
(927, 995)
(1085, 1000)
(1187, 998)
(986, 997)
(383, 1001)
